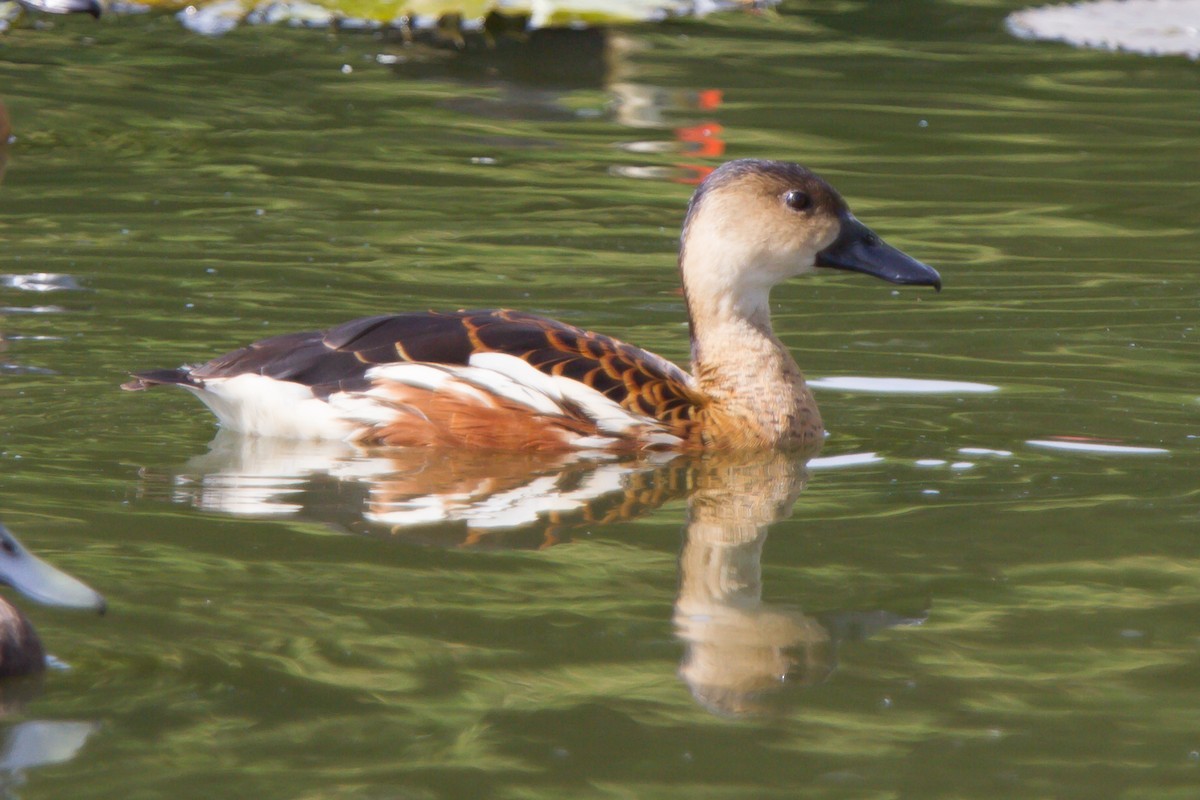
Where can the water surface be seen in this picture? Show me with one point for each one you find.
(943, 607)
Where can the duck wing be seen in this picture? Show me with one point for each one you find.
(350, 358)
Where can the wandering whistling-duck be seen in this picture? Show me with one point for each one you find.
(21, 651)
(514, 381)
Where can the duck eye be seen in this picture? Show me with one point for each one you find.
(798, 200)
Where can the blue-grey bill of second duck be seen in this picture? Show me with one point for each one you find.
(21, 651)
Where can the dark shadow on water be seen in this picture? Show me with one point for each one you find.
(550, 58)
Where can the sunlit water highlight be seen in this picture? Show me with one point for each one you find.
(902, 385)
(1096, 447)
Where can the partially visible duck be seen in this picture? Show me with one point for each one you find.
(21, 651)
(515, 381)
(91, 7)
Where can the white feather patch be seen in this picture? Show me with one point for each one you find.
(363, 408)
(594, 442)
(519, 371)
(420, 376)
(608, 415)
(662, 440)
(433, 378)
(491, 375)
(262, 406)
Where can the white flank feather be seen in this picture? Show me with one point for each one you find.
(486, 376)
(662, 440)
(363, 408)
(424, 376)
(594, 442)
(519, 371)
(608, 415)
(420, 376)
(262, 406)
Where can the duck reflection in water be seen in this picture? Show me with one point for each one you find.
(739, 652)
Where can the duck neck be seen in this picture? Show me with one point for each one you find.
(758, 394)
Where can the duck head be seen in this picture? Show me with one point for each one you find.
(39, 581)
(753, 224)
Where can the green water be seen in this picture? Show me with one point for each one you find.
(1013, 623)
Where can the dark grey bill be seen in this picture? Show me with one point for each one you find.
(858, 249)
